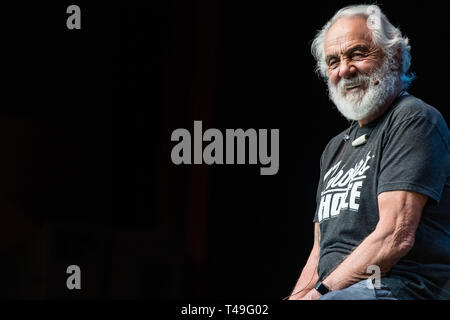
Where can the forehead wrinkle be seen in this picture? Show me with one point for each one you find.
(346, 32)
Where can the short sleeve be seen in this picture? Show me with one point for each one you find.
(319, 189)
(415, 157)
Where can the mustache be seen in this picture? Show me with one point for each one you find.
(360, 80)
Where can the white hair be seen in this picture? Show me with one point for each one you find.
(387, 37)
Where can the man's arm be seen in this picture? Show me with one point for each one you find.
(393, 238)
(308, 277)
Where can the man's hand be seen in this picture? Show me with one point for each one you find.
(313, 294)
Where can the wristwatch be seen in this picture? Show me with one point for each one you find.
(321, 288)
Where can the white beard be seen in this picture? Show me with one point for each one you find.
(364, 102)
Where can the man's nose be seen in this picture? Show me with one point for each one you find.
(346, 70)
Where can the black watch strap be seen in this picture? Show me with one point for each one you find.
(321, 288)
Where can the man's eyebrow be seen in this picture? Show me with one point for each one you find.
(358, 47)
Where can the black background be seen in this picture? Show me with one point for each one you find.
(85, 171)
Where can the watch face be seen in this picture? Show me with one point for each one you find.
(321, 288)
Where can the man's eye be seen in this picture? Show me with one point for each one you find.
(332, 63)
(358, 55)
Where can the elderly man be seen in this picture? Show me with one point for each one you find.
(383, 200)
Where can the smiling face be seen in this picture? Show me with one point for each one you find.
(350, 51)
(360, 79)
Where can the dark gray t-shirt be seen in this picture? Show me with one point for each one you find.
(408, 149)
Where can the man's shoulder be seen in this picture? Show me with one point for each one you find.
(411, 107)
(340, 136)
(334, 142)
